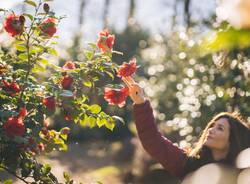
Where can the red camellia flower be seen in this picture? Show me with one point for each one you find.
(66, 82)
(69, 65)
(14, 24)
(105, 41)
(116, 96)
(127, 69)
(11, 87)
(68, 117)
(50, 102)
(46, 123)
(48, 27)
(41, 147)
(23, 112)
(14, 127)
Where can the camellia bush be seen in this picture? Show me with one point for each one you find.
(27, 103)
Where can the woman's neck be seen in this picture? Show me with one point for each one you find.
(219, 154)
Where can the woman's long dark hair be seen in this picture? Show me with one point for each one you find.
(239, 139)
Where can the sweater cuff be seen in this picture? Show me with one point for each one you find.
(141, 107)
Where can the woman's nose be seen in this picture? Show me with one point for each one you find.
(211, 130)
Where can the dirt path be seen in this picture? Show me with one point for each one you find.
(88, 162)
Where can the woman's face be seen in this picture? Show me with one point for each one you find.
(217, 137)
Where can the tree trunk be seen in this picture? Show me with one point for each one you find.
(187, 12)
(131, 13)
(105, 13)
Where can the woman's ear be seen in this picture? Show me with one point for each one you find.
(244, 176)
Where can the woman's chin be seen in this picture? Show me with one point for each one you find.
(207, 143)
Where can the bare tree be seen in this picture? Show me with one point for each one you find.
(105, 13)
(187, 12)
(131, 13)
(82, 6)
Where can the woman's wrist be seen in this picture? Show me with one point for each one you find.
(140, 100)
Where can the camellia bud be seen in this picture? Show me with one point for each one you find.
(46, 7)
(65, 130)
(22, 19)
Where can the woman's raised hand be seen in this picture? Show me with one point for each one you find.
(135, 91)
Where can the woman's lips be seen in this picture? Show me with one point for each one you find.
(209, 137)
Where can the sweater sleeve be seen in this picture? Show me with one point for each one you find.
(171, 157)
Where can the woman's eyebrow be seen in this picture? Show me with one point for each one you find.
(221, 125)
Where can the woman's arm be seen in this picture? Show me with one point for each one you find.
(160, 148)
(171, 157)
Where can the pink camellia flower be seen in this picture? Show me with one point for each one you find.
(14, 24)
(127, 69)
(116, 96)
(48, 27)
(50, 102)
(66, 82)
(14, 127)
(105, 41)
(69, 65)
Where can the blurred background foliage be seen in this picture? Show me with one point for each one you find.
(185, 86)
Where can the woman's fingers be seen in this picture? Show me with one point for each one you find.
(126, 82)
(131, 80)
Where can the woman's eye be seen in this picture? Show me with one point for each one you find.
(220, 128)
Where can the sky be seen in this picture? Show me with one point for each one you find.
(153, 15)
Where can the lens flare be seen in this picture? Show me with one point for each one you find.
(243, 159)
(212, 174)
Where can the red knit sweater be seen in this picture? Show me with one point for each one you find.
(171, 157)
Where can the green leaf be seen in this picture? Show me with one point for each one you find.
(55, 67)
(30, 2)
(100, 122)
(23, 56)
(63, 147)
(19, 42)
(66, 176)
(110, 125)
(21, 48)
(227, 39)
(64, 136)
(66, 93)
(46, 169)
(110, 74)
(92, 122)
(8, 182)
(43, 61)
(87, 84)
(89, 55)
(119, 119)
(92, 45)
(29, 16)
(95, 109)
(38, 68)
(84, 120)
(36, 49)
(52, 51)
(58, 141)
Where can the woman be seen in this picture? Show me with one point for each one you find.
(222, 140)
